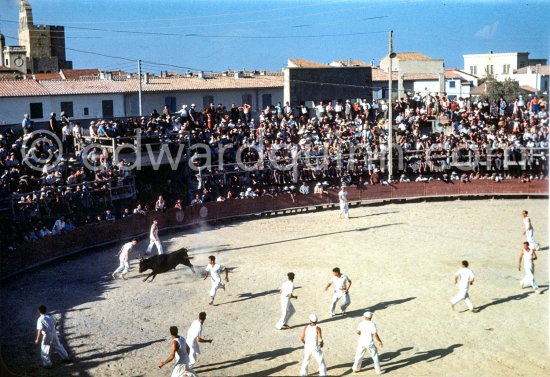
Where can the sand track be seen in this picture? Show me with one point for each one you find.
(399, 257)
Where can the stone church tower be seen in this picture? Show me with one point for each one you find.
(44, 44)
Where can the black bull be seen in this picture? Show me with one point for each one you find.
(165, 262)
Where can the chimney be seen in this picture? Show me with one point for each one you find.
(262, 73)
(225, 73)
(146, 78)
(188, 74)
(200, 74)
(372, 62)
(238, 74)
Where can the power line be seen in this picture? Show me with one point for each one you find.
(263, 11)
(143, 32)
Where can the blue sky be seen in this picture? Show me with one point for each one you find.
(217, 35)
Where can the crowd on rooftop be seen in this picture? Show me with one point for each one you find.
(332, 142)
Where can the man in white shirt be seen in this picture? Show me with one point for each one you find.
(312, 338)
(287, 309)
(45, 326)
(529, 231)
(368, 333)
(342, 284)
(123, 253)
(344, 205)
(154, 239)
(194, 337)
(58, 226)
(215, 270)
(179, 351)
(464, 277)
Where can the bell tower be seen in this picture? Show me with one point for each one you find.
(25, 25)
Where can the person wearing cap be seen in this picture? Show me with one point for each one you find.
(287, 309)
(344, 205)
(368, 333)
(342, 284)
(312, 338)
(464, 277)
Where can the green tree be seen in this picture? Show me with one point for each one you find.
(508, 89)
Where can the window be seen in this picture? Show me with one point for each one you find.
(473, 69)
(107, 107)
(171, 103)
(489, 70)
(86, 111)
(266, 100)
(7, 63)
(206, 101)
(521, 65)
(452, 84)
(36, 110)
(67, 107)
(247, 98)
(506, 69)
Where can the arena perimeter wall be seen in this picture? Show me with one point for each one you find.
(36, 253)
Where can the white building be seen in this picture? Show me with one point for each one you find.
(107, 96)
(500, 65)
(536, 77)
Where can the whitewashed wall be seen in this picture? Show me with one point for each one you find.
(12, 109)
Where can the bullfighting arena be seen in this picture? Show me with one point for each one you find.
(400, 257)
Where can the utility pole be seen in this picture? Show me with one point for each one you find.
(390, 109)
(139, 92)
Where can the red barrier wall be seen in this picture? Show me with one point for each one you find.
(96, 235)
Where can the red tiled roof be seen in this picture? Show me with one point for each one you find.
(47, 76)
(21, 88)
(303, 63)
(480, 90)
(8, 69)
(528, 88)
(451, 74)
(544, 70)
(380, 75)
(411, 56)
(75, 74)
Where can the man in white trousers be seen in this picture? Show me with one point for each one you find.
(344, 205)
(312, 338)
(178, 350)
(194, 337)
(154, 239)
(464, 277)
(215, 270)
(287, 309)
(123, 253)
(368, 333)
(529, 231)
(342, 284)
(45, 326)
(527, 257)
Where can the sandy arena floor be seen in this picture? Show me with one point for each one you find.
(401, 259)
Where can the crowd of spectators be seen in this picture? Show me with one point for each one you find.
(286, 149)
